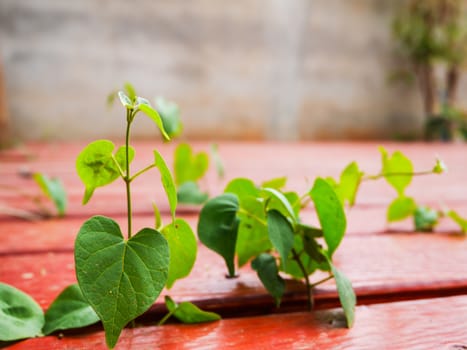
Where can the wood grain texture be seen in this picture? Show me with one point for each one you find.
(386, 266)
(423, 324)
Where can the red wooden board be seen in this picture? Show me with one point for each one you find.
(423, 324)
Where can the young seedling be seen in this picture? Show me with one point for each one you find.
(122, 277)
(262, 224)
(51, 190)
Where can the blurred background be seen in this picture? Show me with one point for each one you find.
(243, 70)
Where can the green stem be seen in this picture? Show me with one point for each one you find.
(142, 171)
(254, 217)
(296, 257)
(379, 176)
(322, 281)
(127, 177)
(120, 170)
(166, 317)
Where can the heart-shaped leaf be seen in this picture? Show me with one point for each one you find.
(401, 208)
(20, 316)
(189, 166)
(183, 248)
(167, 182)
(253, 237)
(242, 188)
(189, 313)
(425, 219)
(54, 190)
(330, 213)
(170, 115)
(190, 193)
(266, 268)
(276, 183)
(97, 166)
(350, 180)
(280, 233)
(218, 227)
(69, 310)
(397, 170)
(119, 278)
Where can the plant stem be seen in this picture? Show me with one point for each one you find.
(379, 176)
(127, 177)
(296, 257)
(322, 281)
(142, 171)
(166, 317)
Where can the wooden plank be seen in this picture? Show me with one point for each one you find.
(422, 324)
(58, 234)
(400, 266)
(301, 162)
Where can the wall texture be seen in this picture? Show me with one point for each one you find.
(246, 69)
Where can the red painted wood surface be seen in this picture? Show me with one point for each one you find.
(386, 263)
(422, 324)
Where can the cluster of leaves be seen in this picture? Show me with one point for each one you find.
(397, 169)
(262, 224)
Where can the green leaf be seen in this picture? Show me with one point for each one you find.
(349, 183)
(242, 188)
(346, 295)
(156, 118)
(190, 193)
(217, 160)
(330, 213)
(398, 163)
(157, 216)
(315, 251)
(125, 100)
(189, 166)
(400, 208)
(276, 183)
(20, 316)
(295, 201)
(54, 190)
(280, 233)
(458, 220)
(167, 182)
(278, 201)
(183, 248)
(253, 237)
(425, 219)
(69, 310)
(170, 115)
(265, 266)
(218, 227)
(119, 278)
(96, 167)
(130, 90)
(189, 313)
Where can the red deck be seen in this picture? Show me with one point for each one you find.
(411, 287)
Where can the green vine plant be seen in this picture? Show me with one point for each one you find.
(398, 171)
(51, 190)
(262, 225)
(119, 278)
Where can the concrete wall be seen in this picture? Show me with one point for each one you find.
(245, 69)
